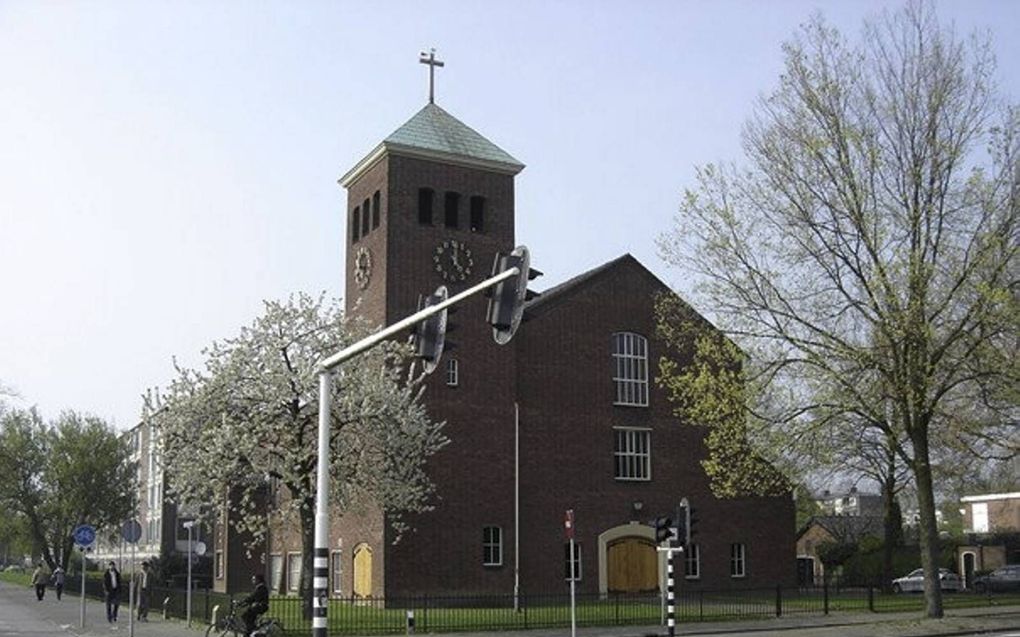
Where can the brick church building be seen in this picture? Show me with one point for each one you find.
(566, 416)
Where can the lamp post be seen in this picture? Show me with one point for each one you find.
(189, 525)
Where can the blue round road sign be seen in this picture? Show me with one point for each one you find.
(84, 535)
(132, 531)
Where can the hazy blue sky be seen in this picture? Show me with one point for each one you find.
(165, 166)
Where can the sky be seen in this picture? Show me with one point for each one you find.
(167, 166)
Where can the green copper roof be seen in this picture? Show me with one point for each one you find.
(434, 130)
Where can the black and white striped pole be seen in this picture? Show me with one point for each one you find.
(670, 595)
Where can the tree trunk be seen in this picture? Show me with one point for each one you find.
(307, 552)
(890, 533)
(927, 527)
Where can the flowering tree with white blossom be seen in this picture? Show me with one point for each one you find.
(245, 425)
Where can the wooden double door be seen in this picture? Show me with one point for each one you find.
(633, 565)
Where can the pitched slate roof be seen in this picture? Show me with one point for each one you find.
(434, 134)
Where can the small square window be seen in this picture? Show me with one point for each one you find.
(452, 372)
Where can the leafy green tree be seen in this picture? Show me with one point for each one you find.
(74, 471)
(865, 259)
(246, 424)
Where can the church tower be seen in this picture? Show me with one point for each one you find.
(432, 205)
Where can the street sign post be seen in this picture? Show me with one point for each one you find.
(84, 536)
(131, 531)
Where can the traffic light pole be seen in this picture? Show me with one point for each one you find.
(320, 564)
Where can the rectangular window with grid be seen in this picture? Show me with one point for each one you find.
(293, 572)
(336, 563)
(572, 566)
(452, 372)
(492, 546)
(737, 560)
(692, 562)
(632, 454)
(630, 369)
(275, 573)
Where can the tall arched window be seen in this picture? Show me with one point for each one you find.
(356, 224)
(630, 369)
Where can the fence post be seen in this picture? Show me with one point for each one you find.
(779, 600)
(825, 594)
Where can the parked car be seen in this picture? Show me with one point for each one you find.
(1006, 578)
(914, 581)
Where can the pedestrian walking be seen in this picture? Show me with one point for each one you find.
(39, 578)
(111, 586)
(143, 580)
(58, 581)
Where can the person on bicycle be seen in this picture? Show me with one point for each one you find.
(257, 603)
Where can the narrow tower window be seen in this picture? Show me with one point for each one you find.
(375, 210)
(452, 212)
(425, 205)
(477, 214)
(356, 224)
(364, 218)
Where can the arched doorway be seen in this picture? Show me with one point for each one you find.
(362, 571)
(968, 570)
(632, 565)
(630, 544)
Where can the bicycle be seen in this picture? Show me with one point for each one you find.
(233, 626)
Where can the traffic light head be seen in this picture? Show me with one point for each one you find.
(506, 305)
(663, 529)
(430, 333)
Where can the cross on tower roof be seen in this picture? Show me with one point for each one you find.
(431, 60)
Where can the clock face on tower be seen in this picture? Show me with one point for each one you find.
(362, 267)
(453, 261)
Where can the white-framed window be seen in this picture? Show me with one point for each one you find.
(572, 564)
(492, 546)
(630, 369)
(738, 564)
(276, 573)
(632, 453)
(692, 562)
(219, 565)
(452, 372)
(335, 571)
(979, 513)
(293, 572)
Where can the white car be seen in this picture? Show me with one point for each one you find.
(914, 581)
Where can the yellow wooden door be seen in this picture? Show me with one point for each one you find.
(362, 571)
(633, 567)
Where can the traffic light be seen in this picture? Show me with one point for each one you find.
(663, 529)
(506, 305)
(682, 529)
(430, 333)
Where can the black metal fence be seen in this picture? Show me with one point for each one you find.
(356, 616)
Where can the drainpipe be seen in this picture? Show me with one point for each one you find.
(517, 507)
